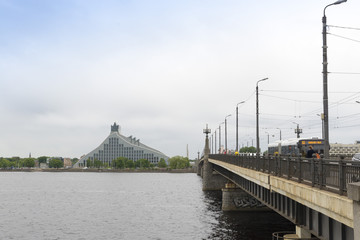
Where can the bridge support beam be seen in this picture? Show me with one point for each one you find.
(353, 191)
(236, 199)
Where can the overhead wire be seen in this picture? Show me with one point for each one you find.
(352, 28)
(303, 91)
(354, 73)
(339, 36)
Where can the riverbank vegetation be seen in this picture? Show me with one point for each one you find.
(120, 163)
(176, 162)
(16, 162)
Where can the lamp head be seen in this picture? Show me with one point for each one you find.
(339, 2)
(264, 79)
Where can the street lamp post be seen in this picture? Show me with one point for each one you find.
(237, 125)
(268, 137)
(220, 137)
(257, 117)
(215, 142)
(280, 132)
(322, 124)
(226, 132)
(325, 87)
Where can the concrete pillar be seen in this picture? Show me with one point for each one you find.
(353, 192)
(235, 199)
(211, 181)
(302, 232)
(198, 169)
(229, 194)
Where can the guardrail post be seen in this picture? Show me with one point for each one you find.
(321, 175)
(280, 172)
(312, 172)
(299, 168)
(288, 167)
(276, 165)
(342, 179)
(263, 163)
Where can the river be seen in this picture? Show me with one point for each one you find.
(84, 205)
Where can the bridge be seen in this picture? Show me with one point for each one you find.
(321, 197)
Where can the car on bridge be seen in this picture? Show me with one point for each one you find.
(356, 157)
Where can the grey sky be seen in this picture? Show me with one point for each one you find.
(164, 69)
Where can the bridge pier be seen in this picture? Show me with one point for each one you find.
(198, 169)
(212, 181)
(236, 199)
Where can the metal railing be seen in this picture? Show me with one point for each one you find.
(330, 175)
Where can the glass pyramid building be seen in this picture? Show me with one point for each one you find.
(117, 145)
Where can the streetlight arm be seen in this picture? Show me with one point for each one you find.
(261, 81)
(240, 103)
(335, 3)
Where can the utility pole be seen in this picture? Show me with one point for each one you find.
(215, 142)
(297, 130)
(325, 82)
(226, 151)
(220, 137)
(280, 133)
(237, 126)
(257, 118)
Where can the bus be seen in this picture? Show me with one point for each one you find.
(296, 146)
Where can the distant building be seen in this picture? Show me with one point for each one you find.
(44, 165)
(117, 145)
(67, 162)
(347, 150)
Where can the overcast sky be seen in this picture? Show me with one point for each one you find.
(164, 69)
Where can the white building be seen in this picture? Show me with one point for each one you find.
(347, 150)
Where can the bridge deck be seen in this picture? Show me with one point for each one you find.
(331, 204)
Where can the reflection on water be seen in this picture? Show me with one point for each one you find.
(122, 206)
(243, 225)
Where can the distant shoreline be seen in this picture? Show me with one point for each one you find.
(188, 170)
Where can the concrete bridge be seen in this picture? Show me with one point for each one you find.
(321, 197)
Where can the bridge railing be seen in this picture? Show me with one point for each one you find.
(330, 175)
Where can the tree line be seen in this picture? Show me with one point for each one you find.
(17, 162)
(176, 162)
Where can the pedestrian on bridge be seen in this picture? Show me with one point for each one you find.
(310, 152)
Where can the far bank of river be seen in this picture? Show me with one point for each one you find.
(159, 170)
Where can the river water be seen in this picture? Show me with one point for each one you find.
(82, 206)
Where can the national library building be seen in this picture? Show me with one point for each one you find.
(117, 145)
